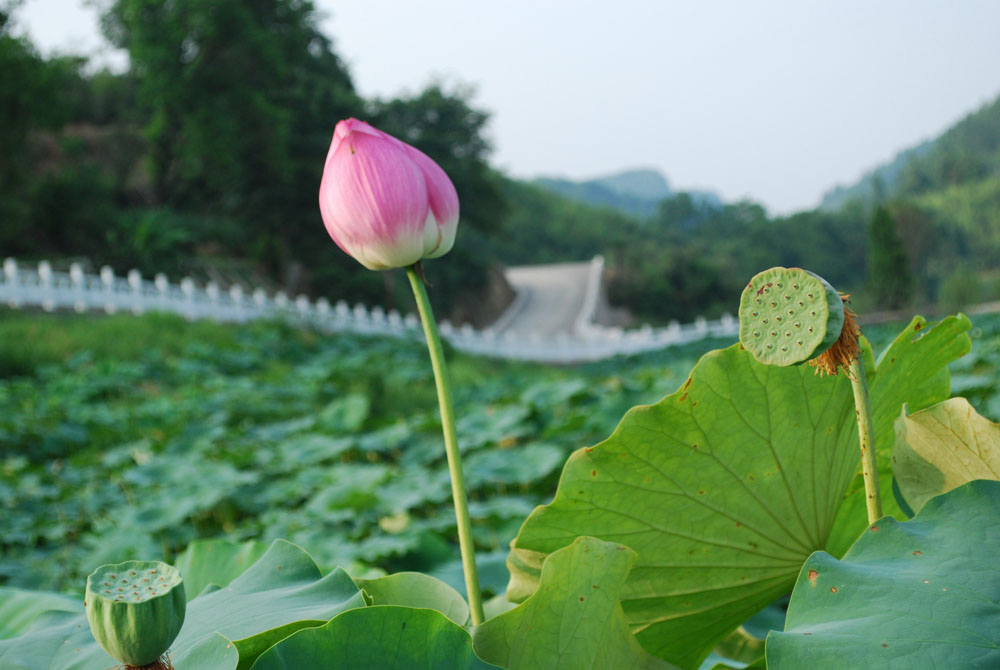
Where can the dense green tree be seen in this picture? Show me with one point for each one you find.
(242, 98)
(34, 99)
(890, 279)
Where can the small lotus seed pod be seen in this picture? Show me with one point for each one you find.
(789, 315)
(135, 609)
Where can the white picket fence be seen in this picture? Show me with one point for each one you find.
(41, 286)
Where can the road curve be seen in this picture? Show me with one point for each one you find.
(550, 299)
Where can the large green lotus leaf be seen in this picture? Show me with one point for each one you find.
(65, 643)
(415, 589)
(923, 593)
(377, 638)
(216, 562)
(19, 608)
(279, 594)
(225, 629)
(942, 447)
(724, 488)
(574, 621)
(912, 371)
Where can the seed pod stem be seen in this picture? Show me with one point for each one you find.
(863, 411)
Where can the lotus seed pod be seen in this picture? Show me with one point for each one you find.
(135, 609)
(789, 315)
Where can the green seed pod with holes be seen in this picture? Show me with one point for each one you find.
(789, 315)
(135, 609)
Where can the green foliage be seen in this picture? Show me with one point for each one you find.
(742, 472)
(215, 563)
(921, 593)
(580, 587)
(30, 99)
(960, 289)
(168, 432)
(415, 589)
(31, 342)
(889, 276)
(378, 638)
(20, 608)
(278, 433)
(279, 594)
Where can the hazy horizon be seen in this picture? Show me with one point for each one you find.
(778, 104)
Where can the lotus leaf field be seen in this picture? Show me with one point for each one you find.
(687, 508)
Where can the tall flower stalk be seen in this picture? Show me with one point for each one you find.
(443, 383)
(388, 205)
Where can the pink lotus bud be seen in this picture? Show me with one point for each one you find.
(384, 202)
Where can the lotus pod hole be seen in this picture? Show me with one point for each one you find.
(789, 315)
(135, 610)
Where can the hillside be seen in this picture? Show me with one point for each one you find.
(638, 192)
(875, 183)
(966, 153)
(944, 196)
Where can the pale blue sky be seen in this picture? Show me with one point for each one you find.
(776, 101)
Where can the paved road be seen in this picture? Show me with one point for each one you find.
(549, 299)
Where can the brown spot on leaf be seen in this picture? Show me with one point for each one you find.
(593, 473)
(874, 529)
(833, 589)
(812, 577)
(588, 449)
(884, 645)
(687, 383)
(684, 396)
(917, 552)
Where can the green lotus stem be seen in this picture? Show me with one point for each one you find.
(869, 467)
(450, 444)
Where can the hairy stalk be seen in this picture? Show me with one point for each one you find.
(863, 410)
(450, 443)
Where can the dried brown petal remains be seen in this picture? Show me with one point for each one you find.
(845, 349)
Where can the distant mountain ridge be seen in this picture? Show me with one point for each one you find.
(637, 191)
(877, 183)
(967, 152)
